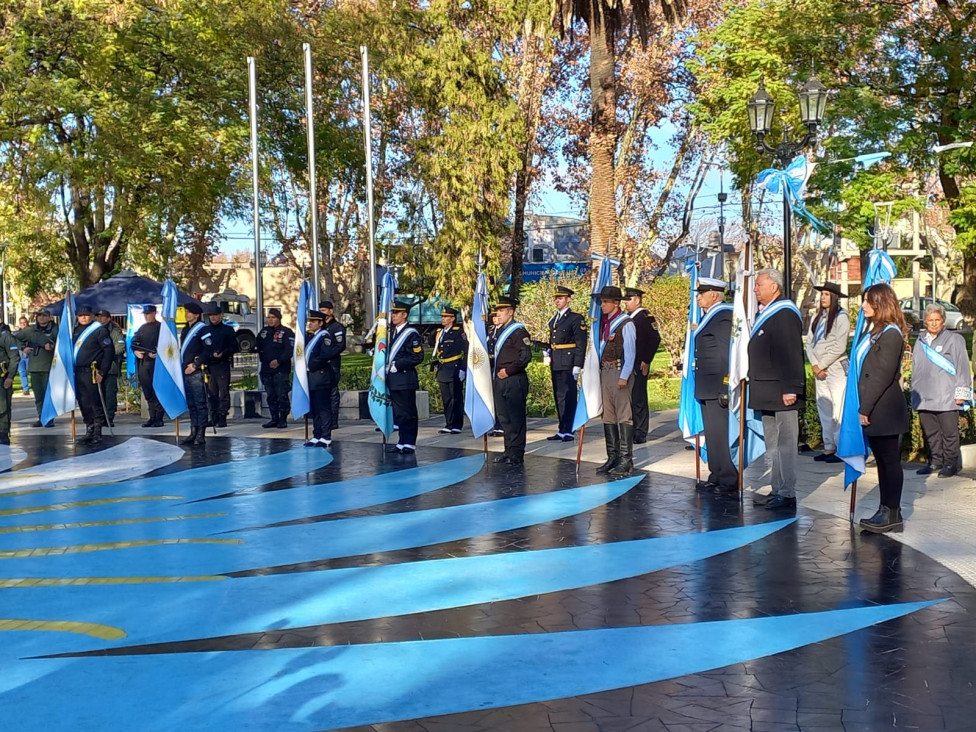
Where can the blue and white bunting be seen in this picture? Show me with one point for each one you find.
(168, 374)
(791, 183)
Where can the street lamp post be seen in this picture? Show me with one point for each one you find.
(813, 100)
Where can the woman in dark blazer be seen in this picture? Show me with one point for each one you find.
(883, 411)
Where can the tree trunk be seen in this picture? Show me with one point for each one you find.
(518, 226)
(603, 136)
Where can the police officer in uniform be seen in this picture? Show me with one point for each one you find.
(37, 343)
(9, 362)
(491, 332)
(618, 343)
(405, 355)
(565, 353)
(94, 354)
(275, 346)
(648, 340)
(196, 348)
(338, 331)
(224, 342)
(513, 351)
(144, 344)
(450, 358)
(321, 350)
(712, 338)
(111, 383)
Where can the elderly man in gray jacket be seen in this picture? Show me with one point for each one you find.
(941, 385)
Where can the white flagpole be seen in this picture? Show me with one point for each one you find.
(369, 184)
(252, 87)
(313, 208)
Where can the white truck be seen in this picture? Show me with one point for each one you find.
(238, 314)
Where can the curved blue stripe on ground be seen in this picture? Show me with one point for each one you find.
(244, 510)
(306, 689)
(322, 540)
(161, 613)
(193, 483)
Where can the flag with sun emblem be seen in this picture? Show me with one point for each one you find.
(380, 406)
(168, 374)
(60, 395)
(479, 404)
(300, 402)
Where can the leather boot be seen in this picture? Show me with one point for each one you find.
(222, 420)
(189, 439)
(96, 435)
(200, 436)
(89, 431)
(611, 433)
(151, 422)
(273, 422)
(625, 465)
(283, 420)
(885, 520)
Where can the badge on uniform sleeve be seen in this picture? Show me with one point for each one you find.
(338, 337)
(107, 341)
(527, 341)
(418, 349)
(583, 325)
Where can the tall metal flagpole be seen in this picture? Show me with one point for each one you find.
(369, 184)
(313, 208)
(252, 88)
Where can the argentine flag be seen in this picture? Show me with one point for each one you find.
(168, 374)
(300, 402)
(743, 315)
(852, 447)
(479, 402)
(380, 407)
(589, 405)
(60, 395)
(689, 409)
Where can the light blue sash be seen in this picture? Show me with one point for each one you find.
(937, 358)
(83, 336)
(312, 343)
(712, 312)
(865, 345)
(509, 329)
(197, 327)
(771, 310)
(398, 343)
(614, 325)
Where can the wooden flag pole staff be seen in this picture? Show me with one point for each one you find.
(853, 499)
(579, 448)
(72, 425)
(698, 457)
(306, 428)
(176, 426)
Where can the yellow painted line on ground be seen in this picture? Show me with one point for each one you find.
(33, 491)
(95, 630)
(52, 551)
(23, 582)
(89, 524)
(82, 504)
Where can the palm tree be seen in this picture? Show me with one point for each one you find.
(606, 19)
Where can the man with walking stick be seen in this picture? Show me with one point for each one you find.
(94, 355)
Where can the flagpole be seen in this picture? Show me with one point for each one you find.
(312, 197)
(853, 499)
(73, 432)
(367, 134)
(176, 427)
(252, 87)
(579, 448)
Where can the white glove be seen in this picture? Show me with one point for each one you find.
(461, 374)
(576, 372)
(393, 368)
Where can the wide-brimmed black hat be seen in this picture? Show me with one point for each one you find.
(563, 291)
(632, 292)
(506, 302)
(831, 287)
(610, 292)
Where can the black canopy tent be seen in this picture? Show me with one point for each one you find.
(115, 293)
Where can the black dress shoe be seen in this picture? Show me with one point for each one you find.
(821, 457)
(392, 448)
(568, 438)
(444, 431)
(726, 490)
(640, 440)
(705, 485)
(496, 433)
(37, 424)
(555, 438)
(832, 460)
(149, 423)
(760, 499)
(948, 471)
(781, 502)
(928, 469)
(501, 459)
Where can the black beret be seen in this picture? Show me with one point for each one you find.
(194, 307)
(148, 309)
(327, 305)
(84, 310)
(275, 312)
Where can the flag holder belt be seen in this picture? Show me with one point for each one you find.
(562, 346)
(452, 358)
(607, 365)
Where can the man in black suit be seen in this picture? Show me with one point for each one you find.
(565, 353)
(450, 358)
(94, 354)
(712, 337)
(144, 344)
(405, 355)
(777, 384)
(648, 340)
(224, 342)
(510, 383)
(322, 349)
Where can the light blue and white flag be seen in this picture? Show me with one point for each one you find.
(589, 404)
(300, 402)
(689, 409)
(744, 309)
(135, 318)
(168, 374)
(852, 447)
(479, 403)
(60, 395)
(380, 406)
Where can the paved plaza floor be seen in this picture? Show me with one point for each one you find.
(255, 584)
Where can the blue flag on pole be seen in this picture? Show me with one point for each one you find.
(168, 374)
(380, 407)
(589, 404)
(60, 395)
(300, 402)
(852, 447)
(689, 409)
(479, 402)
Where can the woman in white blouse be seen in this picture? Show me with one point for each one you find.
(827, 351)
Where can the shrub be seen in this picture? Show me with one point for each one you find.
(668, 298)
(536, 306)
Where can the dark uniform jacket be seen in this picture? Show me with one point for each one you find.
(879, 388)
(338, 331)
(35, 337)
(451, 353)
(321, 372)
(407, 359)
(567, 341)
(275, 344)
(97, 349)
(516, 352)
(712, 356)
(9, 355)
(200, 350)
(776, 365)
(146, 338)
(648, 338)
(224, 341)
(118, 346)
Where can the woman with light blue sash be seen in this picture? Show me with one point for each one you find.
(941, 386)
(877, 358)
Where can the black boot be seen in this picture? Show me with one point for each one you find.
(885, 520)
(625, 465)
(200, 436)
(222, 420)
(612, 435)
(271, 423)
(89, 431)
(190, 438)
(151, 422)
(158, 419)
(282, 420)
(96, 435)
